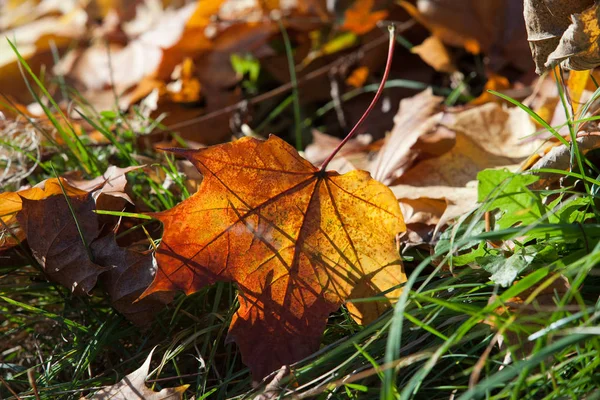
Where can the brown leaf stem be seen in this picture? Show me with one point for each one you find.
(388, 66)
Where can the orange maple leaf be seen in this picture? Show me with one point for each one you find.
(359, 18)
(297, 241)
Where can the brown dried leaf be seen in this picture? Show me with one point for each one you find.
(12, 202)
(129, 274)
(59, 240)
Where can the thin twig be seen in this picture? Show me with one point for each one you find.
(474, 378)
(9, 388)
(31, 379)
(403, 362)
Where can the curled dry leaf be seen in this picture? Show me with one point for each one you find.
(298, 242)
(274, 389)
(559, 158)
(107, 188)
(563, 31)
(352, 156)
(133, 386)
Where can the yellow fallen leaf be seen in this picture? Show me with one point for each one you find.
(576, 85)
(360, 18)
(495, 82)
(358, 77)
(435, 54)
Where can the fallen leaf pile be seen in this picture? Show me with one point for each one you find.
(297, 240)
(431, 158)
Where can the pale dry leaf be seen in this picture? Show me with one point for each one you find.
(33, 42)
(455, 168)
(111, 183)
(15, 13)
(133, 386)
(413, 120)
(354, 154)
(27, 37)
(487, 136)
(122, 67)
(498, 130)
(274, 389)
(147, 14)
(458, 200)
(422, 210)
